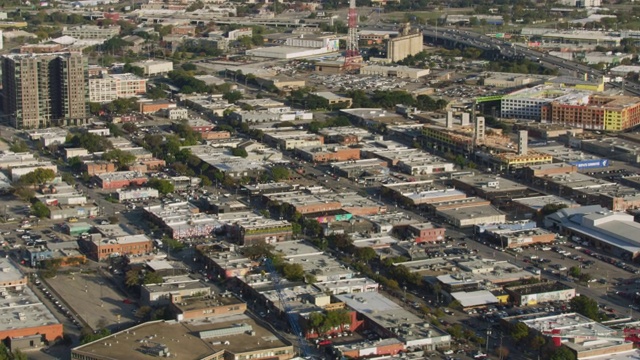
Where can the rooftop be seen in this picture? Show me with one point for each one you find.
(185, 340)
(23, 309)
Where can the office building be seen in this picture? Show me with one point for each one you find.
(113, 86)
(41, 90)
(91, 32)
(529, 102)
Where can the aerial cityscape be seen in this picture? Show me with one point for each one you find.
(356, 179)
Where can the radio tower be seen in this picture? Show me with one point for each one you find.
(352, 58)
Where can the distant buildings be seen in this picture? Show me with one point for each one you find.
(409, 42)
(41, 90)
(595, 112)
(91, 32)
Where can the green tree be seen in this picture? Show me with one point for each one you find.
(120, 157)
(163, 186)
(95, 108)
(575, 271)
(90, 336)
(130, 127)
(74, 163)
(136, 70)
(549, 209)
(113, 219)
(258, 250)
(366, 254)
(151, 277)
(40, 210)
(279, 173)
(562, 353)
(91, 142)
(232, 96)
(19, 146)
(38, 176)
(24, 193)
(173, 244)
(241, 152)
(132, 278)
(293, 272)
(519, 331)
(587, 307)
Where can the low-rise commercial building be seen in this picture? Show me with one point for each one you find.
(533, 294)
(261, 230)
(154, 67)
(29, 318)
(205, 307)
(173, 288)
(512, 235)
(468, 212)
(104, 248)
(120, 179)
(232, 337)
(91, 32)
(290, 139)
(422, 192)
(576, 332)
(136, 194)
(611, 232)
(328, 154)
(394, 71)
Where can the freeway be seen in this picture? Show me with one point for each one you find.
(511, 50)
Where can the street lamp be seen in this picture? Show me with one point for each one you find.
(486, 345)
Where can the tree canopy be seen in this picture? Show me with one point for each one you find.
(120, 157)
(163, 186)
(91, 142)
(39, 176)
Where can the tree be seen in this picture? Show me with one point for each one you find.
(258, 250)
(574, 271)
(38, 176)
(549, 209)
(241, 152)
(366, 254)
(130, 127)
(19, 146)
(132, 278)
(562, 353)
(91, 142)
(40, 210)
(173, 244)
(293, 272)
(232, 96)
(279, 173)
(519, 331)
(23, 193)
(122, 158)
(113, 219)
(587, 307)
(91, 336)
(163, 186)
(151, 277)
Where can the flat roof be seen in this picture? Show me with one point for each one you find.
(489, 183)
(471, 212)
(22, 309)
(181, 339)
(475, 298)
(538, 202)
(9, 272)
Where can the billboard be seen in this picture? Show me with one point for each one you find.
(590, 164)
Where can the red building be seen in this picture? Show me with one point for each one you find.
(120, 179)
(426, 232)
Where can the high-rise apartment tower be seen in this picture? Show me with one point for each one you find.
(41, 90)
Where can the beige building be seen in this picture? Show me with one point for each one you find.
(409, 42)
(113, 86)
(394, 71)
(41, 90)
(154, 67)
(91, 32)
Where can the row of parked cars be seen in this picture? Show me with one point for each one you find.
(57, 303)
